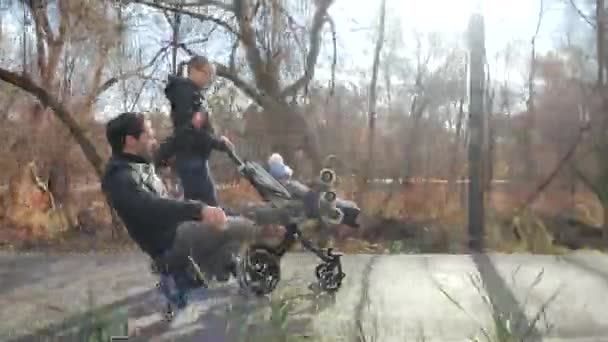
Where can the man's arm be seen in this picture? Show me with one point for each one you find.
(129, 198)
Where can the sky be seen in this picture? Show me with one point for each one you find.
(356, 22)
(505, 21)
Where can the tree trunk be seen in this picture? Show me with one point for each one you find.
(59, 187)
(411, 147)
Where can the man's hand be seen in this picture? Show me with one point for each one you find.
(214, 216)
(227, 141)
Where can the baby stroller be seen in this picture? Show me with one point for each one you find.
(292, 205)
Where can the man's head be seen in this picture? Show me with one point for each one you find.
(131, 133)
(201, 71)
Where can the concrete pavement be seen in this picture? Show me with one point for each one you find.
(384, 298)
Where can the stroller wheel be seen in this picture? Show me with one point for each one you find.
(327, 177)
(169, 313)
(330, 196)
(259, 270)
(329, 276)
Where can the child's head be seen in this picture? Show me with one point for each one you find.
(201, 71)
(275, 158)
(277, 167)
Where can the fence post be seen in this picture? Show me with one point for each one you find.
(476, 37)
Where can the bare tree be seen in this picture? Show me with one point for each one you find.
(457, 143)
(268, 35)
(529, 163)
(372, 103)
(433, 88)
(596, 180)
(57, 47)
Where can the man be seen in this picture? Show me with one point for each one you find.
(162, 227)
(193, 136)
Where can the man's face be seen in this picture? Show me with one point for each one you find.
(145, 145)
(202, 76)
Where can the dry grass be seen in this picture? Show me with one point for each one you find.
(413, 219)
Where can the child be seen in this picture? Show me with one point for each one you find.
(192, 145)
(278, 169)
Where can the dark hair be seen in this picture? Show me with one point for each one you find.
(124, 124)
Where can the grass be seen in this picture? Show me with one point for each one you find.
(506, 327)
(437, 221)
(276, 321)
(98, 326)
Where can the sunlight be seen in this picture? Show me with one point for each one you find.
(505, 20)
(434, 15)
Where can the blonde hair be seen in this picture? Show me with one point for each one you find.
(275, 158)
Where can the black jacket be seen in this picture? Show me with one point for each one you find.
(139, 197)
(187, 141)
(185, 98)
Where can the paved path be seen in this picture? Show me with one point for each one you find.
(385, 298)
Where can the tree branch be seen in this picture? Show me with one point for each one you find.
(143, 85)
(202, 3)
(541, 13)
(565, 160)
(260, 98)
(38, 11)
(245, 17)
(201, 17)
(335, 57)
(319, 19)
(41, 38)
(25, 83)
(200, 40)
(235, 47)
(112, 81)
(588, 183)
(581, 14)
(290, 19)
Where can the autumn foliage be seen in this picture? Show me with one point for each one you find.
(545, 164)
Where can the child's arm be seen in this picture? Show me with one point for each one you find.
(220, 144)
(207, 140)
(165, 151)
(183, 98)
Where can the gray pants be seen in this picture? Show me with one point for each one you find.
(211, 249)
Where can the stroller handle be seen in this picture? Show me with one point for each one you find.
(232, 155)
